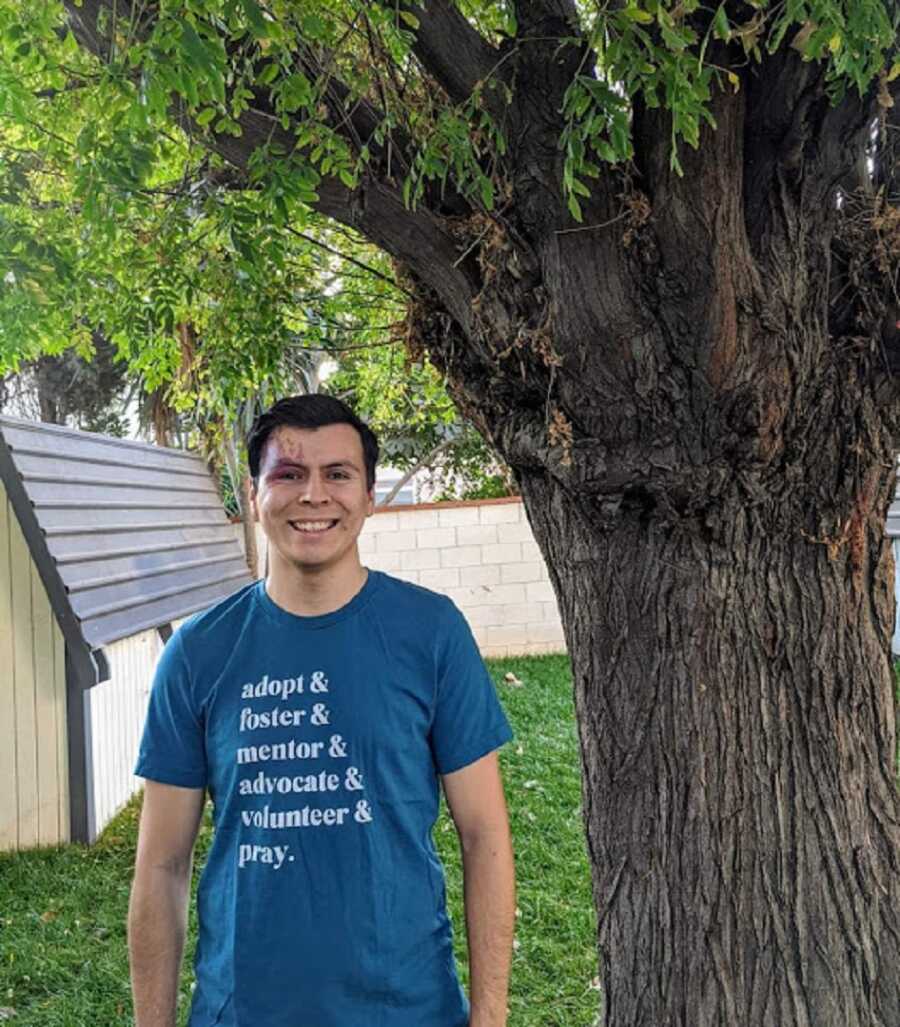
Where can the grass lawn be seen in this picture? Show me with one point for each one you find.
(63, 960)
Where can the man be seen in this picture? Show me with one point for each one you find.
(319, 710)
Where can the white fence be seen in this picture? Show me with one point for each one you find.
(115, 717)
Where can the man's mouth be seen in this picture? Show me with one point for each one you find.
(312, 527)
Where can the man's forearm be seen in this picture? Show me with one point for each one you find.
(490, 900)
(157, 922)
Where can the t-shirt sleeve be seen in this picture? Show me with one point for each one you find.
(469, 721)
(172, 747)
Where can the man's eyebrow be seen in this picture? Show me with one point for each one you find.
(282, 463)
(285, 463)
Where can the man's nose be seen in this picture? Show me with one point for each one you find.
(314, 490)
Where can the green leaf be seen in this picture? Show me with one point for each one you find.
(636, 14)
(720, 23)
(486, 188)
(575, 208)
(314, 27)
(675, 39)
(258, 24)
(296, 92)
(268, 74)
(192, 45)
(205, 116)
(188, 86)
(605, 150)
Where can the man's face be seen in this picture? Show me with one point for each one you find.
(311, 496)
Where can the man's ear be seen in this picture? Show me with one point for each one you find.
(370, 508)
(254, 505)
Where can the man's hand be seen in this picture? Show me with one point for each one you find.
(157, 916)
(476, 801)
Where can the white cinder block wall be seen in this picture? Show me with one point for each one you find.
(483, 555)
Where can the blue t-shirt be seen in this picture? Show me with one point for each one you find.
(320, 741)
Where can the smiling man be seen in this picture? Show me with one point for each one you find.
(320, 709)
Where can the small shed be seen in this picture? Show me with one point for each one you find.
(104, 543)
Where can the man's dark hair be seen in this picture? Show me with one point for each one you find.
(314, 411)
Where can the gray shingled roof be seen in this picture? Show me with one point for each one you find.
(136, 534)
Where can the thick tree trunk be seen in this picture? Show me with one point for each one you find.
(735, 704)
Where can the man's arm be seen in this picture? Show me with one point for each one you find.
(476, 801)
(157, 915)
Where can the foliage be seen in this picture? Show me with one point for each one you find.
(117, 213)
(109, 219)
(662, 51)
(114, 216)
(408, 407)
(221, 296)
(63, 959)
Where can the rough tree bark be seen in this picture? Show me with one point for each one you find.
(737, 732)
(693, 391)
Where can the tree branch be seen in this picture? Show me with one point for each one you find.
(69, 87)
(449, 48)
(350, 260)
(530, 12)
(413, 471)
(374, 208)
(356, 119)
(887, 159)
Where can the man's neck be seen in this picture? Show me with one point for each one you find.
(313, 593)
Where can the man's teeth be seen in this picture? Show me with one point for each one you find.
(312, 525)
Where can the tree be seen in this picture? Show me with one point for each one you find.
(86, 387)
(653, 248)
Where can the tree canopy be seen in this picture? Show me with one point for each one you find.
(198, 178)
(215, 289)
(177, 169)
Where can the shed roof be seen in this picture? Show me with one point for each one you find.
(127, 536)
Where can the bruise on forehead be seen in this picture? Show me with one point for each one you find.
(292, 445)
(285, 442)
(282, 446)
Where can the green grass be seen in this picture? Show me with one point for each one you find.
(63, 960)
